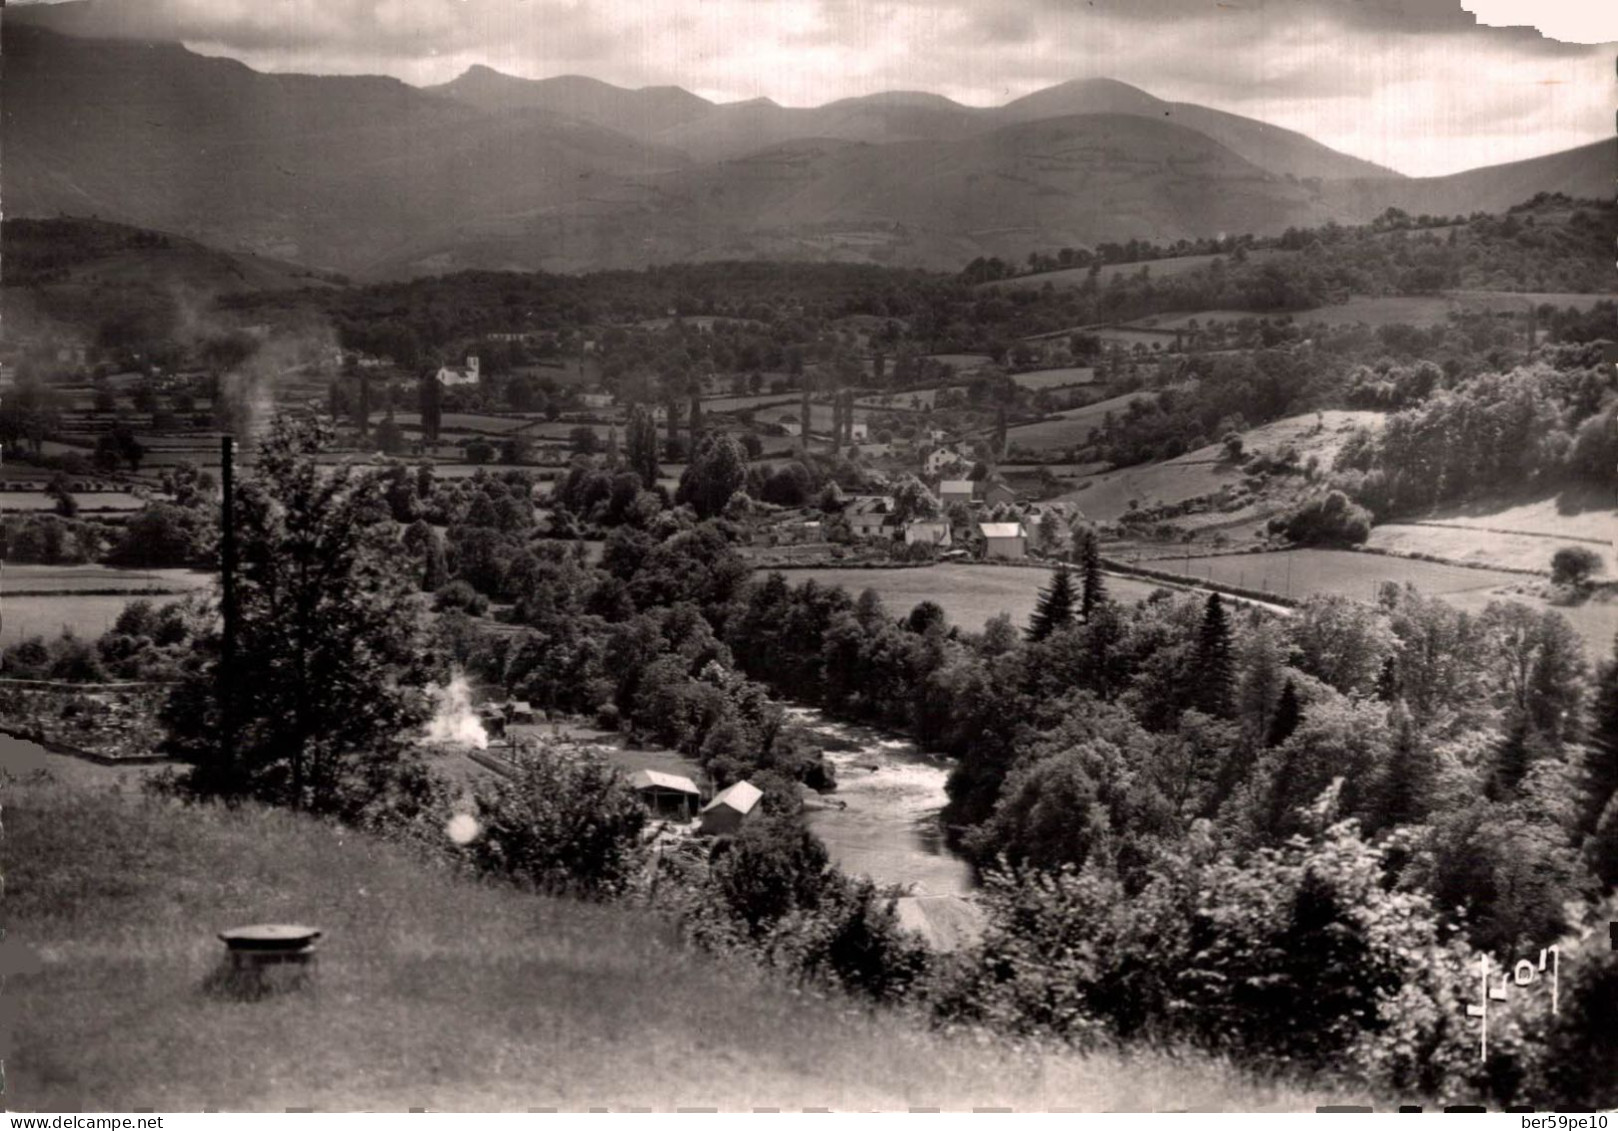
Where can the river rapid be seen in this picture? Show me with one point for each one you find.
(883, 820)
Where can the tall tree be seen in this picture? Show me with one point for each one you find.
(1215, 668)
(640, 442)
(716, 472)
(1600, 778)
(362, 411)
(431, 394)
(1288, 714)
(1093, 587)
(1408, 783)
(328, 681)
(1054, 609)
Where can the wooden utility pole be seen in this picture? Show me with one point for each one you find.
(227, 598)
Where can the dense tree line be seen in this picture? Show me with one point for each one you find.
(1538, 426)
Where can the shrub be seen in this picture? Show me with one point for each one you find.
(1575, 565)
(458, 595)
(565, 824)
(1328, 520)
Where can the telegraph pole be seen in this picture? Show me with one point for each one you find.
(227, 597)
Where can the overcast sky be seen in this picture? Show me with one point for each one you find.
(1422, 86)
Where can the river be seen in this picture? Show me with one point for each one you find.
(883, 823)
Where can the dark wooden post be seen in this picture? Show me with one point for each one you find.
(227, 597)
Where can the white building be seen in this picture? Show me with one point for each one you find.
(933, 532)
(596, 400)
(451, 375)
(726, 812)
(952, 491)
(1004, 539)
(869, 516)
(859, 431)
(940, 460)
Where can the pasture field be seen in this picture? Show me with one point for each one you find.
(906, 399)
(1389, 310)
(66, 597)
(738, 404)
(1521, 536)
(12, 501)
(959, 361)
(1055, 378)
(1105, 497)
(90, 577)
(971, 595)
(87, 615)
(1308, 573)
(441, 992)
(1071, 428)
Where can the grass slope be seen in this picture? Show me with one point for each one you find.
(439, 992)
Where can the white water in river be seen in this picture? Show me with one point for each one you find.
(889, 830)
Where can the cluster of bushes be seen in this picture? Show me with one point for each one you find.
(1540, 425)
(145, 643)
(48, 539)
(1331, 519)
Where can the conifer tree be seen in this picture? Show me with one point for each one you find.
(1214, 662)
(1093, 586)
(1600, 784)
(1288, 714)
(1055, 607)
(1405, 794)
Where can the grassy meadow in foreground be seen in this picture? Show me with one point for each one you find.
(435, 991)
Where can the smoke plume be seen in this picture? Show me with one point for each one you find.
(453, 719)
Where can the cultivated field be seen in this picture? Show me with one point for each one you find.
(1068, 429)
(443, 993)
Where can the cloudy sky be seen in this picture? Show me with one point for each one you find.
(1422, 86)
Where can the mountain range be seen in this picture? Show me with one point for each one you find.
(376, 178)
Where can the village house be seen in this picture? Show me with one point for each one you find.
(596, 399)
(952, 491)
(940, 460)
(994, 493)
(928, 532)
(729, 808)
(1004, 540)
(667, 795)
(798, 532)
(869, 516)
(452, 375)
(859, 431)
